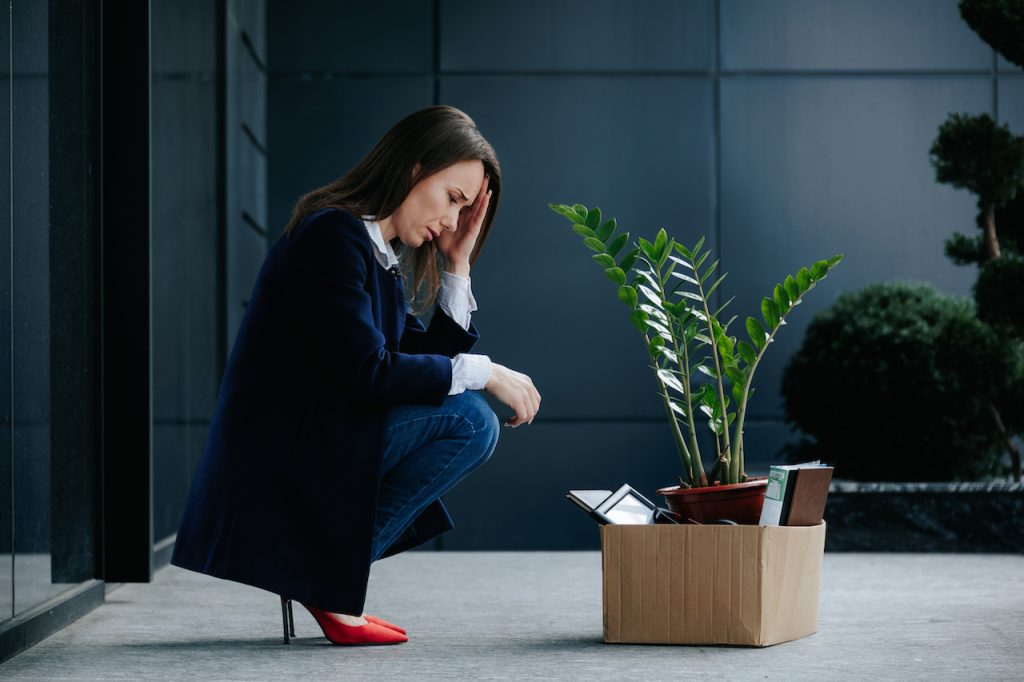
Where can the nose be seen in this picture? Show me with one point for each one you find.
(451, 219)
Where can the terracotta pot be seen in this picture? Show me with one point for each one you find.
(739, 502)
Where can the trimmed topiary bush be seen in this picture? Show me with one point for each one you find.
(894, 383)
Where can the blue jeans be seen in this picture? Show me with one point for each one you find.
(427, 450)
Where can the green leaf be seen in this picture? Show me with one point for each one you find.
(583, 230)
(756, 333)
(769, 312)
(658, 326)
(668, 352)
(690, 295)
(581, 210)
(564, 211)
(678, 408)
(649, 278)
(616, 275)
(781, 300)
(682, 249)
(669, 379)
(734, 374)
(725, 346)
(696, 248)
(627, 261)
(594, 244)
(737, 392)
(719, 311)
(654, 311)
(604, 259)
(593, 218)
(613, 247)
(660, 241)
(834, 260)
(707, 273)
(606, 230)
(803, 279)
(647, 248)
(746, 352)
(651, 295)
(628, 296)
(704, 369)
(637, 317)
(791, 288)
(714, 286)
(819, 270)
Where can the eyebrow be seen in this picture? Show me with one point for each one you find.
(464, 197)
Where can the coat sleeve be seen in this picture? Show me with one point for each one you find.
(323, 283)
(443, 335)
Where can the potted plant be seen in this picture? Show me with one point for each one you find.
(670, 304)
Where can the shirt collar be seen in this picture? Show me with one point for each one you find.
(382, 250)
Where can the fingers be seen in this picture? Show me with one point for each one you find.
(483, 199)
(528, 406)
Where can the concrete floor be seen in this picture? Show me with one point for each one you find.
(537, 615)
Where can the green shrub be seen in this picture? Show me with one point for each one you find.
(893, 383)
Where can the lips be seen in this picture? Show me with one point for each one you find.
(433, 235)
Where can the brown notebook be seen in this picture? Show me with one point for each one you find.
(805, 505)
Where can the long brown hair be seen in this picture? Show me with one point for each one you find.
(435, 137)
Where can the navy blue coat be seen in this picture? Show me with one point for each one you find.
(285, 494)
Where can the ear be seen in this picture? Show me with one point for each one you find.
(416, 170)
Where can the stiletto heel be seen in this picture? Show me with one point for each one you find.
(287, 618)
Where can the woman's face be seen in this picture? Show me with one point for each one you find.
(434, 203)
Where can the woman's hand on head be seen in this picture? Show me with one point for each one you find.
(515, 390)
(457, 245)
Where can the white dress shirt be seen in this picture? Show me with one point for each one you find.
(469, 370)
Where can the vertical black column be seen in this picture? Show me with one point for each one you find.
(126, 316)
(74, 290)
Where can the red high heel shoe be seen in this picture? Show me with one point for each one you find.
(339, 633)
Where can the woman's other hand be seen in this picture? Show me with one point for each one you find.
(515, 390)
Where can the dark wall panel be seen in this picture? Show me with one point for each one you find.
(185, 237)
(1011, 102)
(839, 34)
(535, 283)
(321, 128)
(384, 36)
(814, 167)
(575, 35)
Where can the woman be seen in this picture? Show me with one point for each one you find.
(341, 419)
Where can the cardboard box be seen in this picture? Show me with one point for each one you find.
(693, 584)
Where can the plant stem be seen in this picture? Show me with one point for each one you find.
(991, 241)
(718, 374)
(684, 454)
(699, 478)
(1014, 452)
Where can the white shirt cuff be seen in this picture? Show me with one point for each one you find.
(469, 371)
(456, 298)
